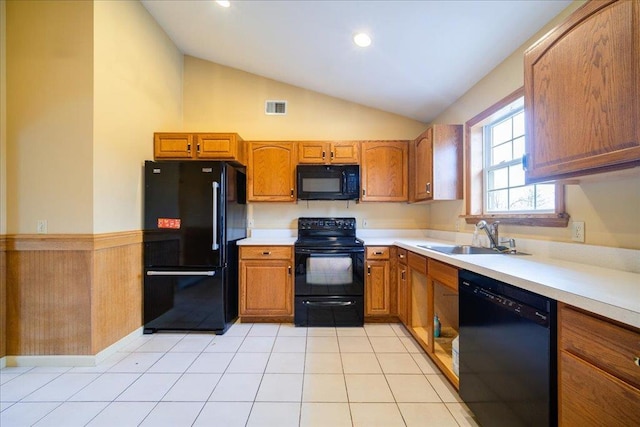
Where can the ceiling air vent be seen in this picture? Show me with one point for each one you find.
(275, 108)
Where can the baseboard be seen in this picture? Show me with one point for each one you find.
(71, 360)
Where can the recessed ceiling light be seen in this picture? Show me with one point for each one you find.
(223, 3)
(362, 39)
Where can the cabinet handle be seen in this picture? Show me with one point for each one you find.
(368, 270)
(292, 193)
(636, 360)
(188, 147)
(198, 148)
(377, 253)
(332, 155)
(403, 273)
(428, 188)
(266, 253)
(324, 154)
(363, 192)
(401, 256)
(289, 270)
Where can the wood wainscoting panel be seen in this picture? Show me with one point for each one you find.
(72, 294)
(3, 296)
(49, 302)
(117, 294)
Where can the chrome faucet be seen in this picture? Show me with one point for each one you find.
(491, 230)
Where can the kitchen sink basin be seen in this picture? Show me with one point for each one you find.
(468, 250)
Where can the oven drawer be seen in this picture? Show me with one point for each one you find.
(266, 252)
(329, 311)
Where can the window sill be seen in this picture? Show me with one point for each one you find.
(532, 220)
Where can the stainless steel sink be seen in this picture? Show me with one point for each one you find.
(468, 250)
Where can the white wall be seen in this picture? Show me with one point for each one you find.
(49, 116)
(87, 85)
(137, 90)
(223, 99)
(609, 205)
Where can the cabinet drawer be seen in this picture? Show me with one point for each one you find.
(377, 252)
(610, 347)
(443, 273)
(402, 256)
(266, 252)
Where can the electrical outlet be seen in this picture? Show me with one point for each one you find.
(577, 231)
(41, 226)
(365, 223)
(251, 223)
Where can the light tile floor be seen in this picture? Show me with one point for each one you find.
(254, 375)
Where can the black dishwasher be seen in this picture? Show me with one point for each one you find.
(507, 353)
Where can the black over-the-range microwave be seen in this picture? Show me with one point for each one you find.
(328, 182)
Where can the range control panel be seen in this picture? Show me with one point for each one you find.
(326, 223)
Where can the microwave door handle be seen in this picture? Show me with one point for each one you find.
(214, 217)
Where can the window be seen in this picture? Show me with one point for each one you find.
(505, 190)
(495, 187)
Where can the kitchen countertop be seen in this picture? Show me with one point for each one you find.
(609, 292)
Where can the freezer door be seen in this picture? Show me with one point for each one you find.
(184, 300)
(184, 214)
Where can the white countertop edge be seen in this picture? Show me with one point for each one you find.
(620, 306)
(575, 283)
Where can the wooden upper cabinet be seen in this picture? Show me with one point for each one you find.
(384, 171)
(199, 146)
(435, 169)
(220, 146)
(323, 152)
(271, 172)
(173, 146)
(582, 86)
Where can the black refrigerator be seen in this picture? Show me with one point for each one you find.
(194, 214)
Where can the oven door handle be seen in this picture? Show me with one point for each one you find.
(328, 303)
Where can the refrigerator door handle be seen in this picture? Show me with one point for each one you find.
(180, 273)
(214, 244)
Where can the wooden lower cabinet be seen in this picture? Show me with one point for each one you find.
(266, 283)
(378, 301)
(598, 372)
(427, 287)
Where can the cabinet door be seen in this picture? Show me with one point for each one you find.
(345, 152)
(219, 146)
(581, 93)
(590, 396)
(173, 146)
(377, 289)
(266, 288)
(422, 170)
(435, 170)
(315, 152)
(271, 172)
(384, 173)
